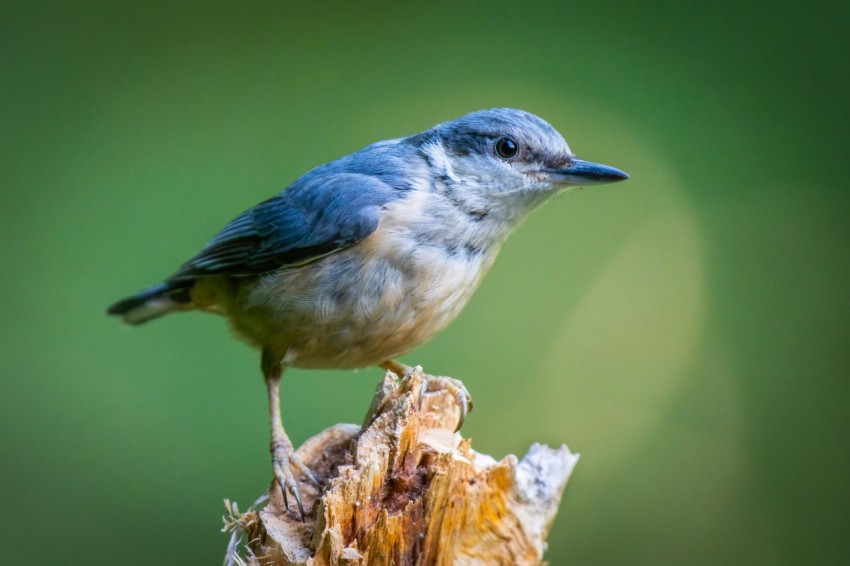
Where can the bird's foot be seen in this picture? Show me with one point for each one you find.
(433, 383)
(455, 387)
(284, 460)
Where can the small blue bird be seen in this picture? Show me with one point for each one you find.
(364, 258)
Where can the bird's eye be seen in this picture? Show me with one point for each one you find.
(506, 148)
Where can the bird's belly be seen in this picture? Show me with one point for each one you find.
(353, 309)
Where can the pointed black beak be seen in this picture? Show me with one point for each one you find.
(586, 173)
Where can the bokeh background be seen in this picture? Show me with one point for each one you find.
(686, 331)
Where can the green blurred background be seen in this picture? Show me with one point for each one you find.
(686, 331)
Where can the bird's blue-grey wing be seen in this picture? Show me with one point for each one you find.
(309, 220)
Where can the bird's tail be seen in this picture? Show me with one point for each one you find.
(153, 302)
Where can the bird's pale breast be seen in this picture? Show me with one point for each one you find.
(368, 303)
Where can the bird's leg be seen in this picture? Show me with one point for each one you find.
(283, 455)
(433, 382)
(397, 368)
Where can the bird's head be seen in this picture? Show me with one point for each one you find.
(507, 158)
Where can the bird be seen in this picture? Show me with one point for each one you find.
(364, 258)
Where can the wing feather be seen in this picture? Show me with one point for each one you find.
(311, 219)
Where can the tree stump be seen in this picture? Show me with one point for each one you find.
(405, 489)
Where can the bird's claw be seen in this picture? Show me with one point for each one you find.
(305, 471)
(453, 386)
(283, 460)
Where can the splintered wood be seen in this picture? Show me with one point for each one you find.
(405, 489)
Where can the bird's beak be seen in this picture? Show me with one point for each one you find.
(586, 173)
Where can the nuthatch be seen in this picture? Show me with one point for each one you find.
(364, 258)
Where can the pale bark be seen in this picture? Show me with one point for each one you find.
(406, 490)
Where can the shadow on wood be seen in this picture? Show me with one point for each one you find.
(405, 489)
